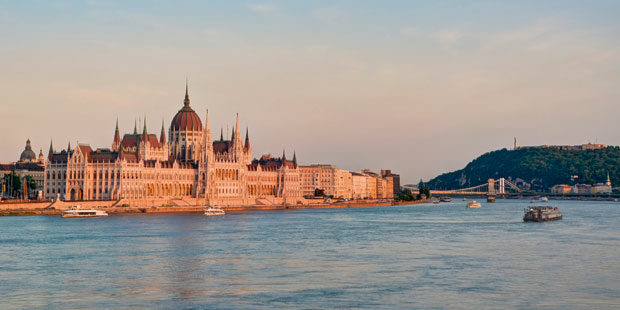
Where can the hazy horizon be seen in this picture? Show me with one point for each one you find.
(418, 88)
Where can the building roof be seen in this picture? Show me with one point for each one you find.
(132, 140)
(186, 119)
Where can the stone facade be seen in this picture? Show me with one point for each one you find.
(189, 165)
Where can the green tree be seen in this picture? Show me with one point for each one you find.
(12, 184)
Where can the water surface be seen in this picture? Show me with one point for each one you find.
(429, 256)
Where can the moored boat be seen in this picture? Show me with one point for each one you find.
(474, 205)
(542, 214)
(213, 211)
(445, 199)
(76, 211)
(544, 199)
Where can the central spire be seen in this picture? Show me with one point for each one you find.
(186, 101)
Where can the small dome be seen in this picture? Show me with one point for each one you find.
(28, 154)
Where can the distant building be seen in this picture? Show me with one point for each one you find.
(395, 179)
(582, 147)
(27, 165)
(561, 189)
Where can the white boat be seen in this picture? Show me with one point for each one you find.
(213, 211)
(76, 211)
(474, 205)
(544, 199)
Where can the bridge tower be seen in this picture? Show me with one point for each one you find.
(491, 192)
(502, 186)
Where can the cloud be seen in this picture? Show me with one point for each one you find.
(263, 8)
(448, 36)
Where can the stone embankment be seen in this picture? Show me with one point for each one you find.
(168, 206)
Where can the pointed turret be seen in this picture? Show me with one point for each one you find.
(221, 133)
(237, 128)
(247, 139)
(117, 137)
(295, 159)
(69, 147)
(135, 127)
(283, 156)
(145, 136)
(162, 135)
(608, 183)
(51, 150)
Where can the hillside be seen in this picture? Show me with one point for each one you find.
(536, 168)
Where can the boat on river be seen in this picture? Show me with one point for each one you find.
(445, 199)
(76, 211)
(214, 211)
(474, 205)
(542, 214)
(544, 199)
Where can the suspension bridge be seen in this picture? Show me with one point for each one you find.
(491, 188)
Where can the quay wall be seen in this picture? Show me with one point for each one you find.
(168, 206)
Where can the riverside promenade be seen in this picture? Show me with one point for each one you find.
(172, 206)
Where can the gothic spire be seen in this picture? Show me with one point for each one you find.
(162, 136)
(145, 136)
(186, 101)
(51, 151)
(117, 136)
(295, 159)
(283, 156)
(69, 147)
(135, 126)
(247, 139)
(222, 133)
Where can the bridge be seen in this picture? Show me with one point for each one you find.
(491, 188)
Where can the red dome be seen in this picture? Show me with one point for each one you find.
(186, 120)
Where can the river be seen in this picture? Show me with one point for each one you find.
(422, 256)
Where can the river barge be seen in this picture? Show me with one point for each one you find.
(542, 214)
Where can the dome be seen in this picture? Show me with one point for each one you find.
(186, 119)
(28, 154)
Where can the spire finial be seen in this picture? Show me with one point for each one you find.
(295, 158)
(135, 126)
(283, 155)
(117, 123)
(222, 133)
(247, 138)
(186, 101)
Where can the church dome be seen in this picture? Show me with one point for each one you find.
(186, 119)
(28, 154)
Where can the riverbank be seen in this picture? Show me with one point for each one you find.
(39, 208)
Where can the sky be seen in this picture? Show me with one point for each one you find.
(419, 87)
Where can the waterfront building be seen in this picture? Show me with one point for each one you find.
(188, 164)
(561, 189)
(29, 164)
(392, 178)
(328, 178)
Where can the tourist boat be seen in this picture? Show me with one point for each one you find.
(474, 205)
(544, 199)
(435, 201)
(445, 199)
(213, 211)
(542, 214)
(76, 211)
